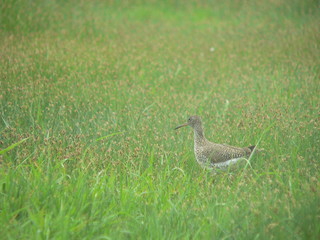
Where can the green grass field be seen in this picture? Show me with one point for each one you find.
(91, 91)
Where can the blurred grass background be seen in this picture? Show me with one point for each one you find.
(96, 88)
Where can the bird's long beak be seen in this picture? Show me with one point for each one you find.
(183, 125)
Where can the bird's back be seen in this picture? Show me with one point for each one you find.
(215, 153)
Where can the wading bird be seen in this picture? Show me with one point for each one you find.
(209, 154)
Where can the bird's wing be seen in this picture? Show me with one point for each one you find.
(224, 152)
(232, 147)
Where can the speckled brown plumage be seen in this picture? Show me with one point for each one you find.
(211, 154)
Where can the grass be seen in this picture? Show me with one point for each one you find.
(91, 92)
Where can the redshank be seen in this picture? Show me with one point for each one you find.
(209, 154)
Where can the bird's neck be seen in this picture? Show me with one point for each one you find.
(199, 135)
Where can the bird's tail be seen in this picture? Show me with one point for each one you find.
(253, 147)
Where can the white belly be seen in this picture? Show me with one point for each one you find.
(226, 163)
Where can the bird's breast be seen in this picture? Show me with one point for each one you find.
(200, 155)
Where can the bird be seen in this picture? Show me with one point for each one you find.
(213, 155)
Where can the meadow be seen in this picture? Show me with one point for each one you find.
(92, 90)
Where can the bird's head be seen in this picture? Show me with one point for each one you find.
(193, 122)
